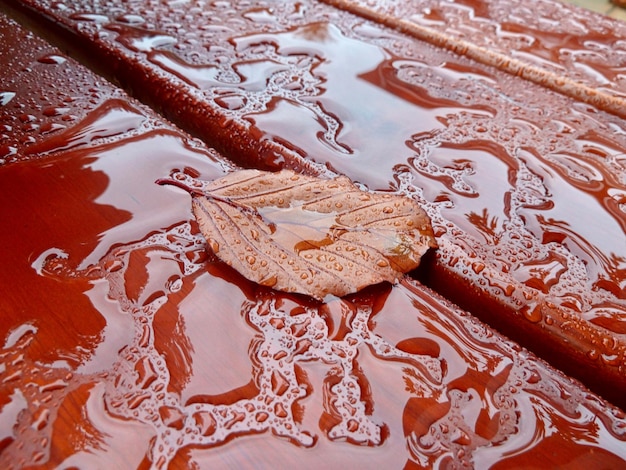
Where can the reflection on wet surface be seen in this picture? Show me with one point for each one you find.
(485, 157)
(132, 345)
(170, 356)
(437, 357)
(164, 380)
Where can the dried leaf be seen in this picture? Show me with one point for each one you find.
(314, 236)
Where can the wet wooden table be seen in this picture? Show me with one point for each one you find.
(126, 343)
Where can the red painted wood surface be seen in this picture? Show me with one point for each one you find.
(125, 343)
(510, 171)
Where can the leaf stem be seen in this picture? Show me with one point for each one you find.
(181, 185)
(195, 192)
